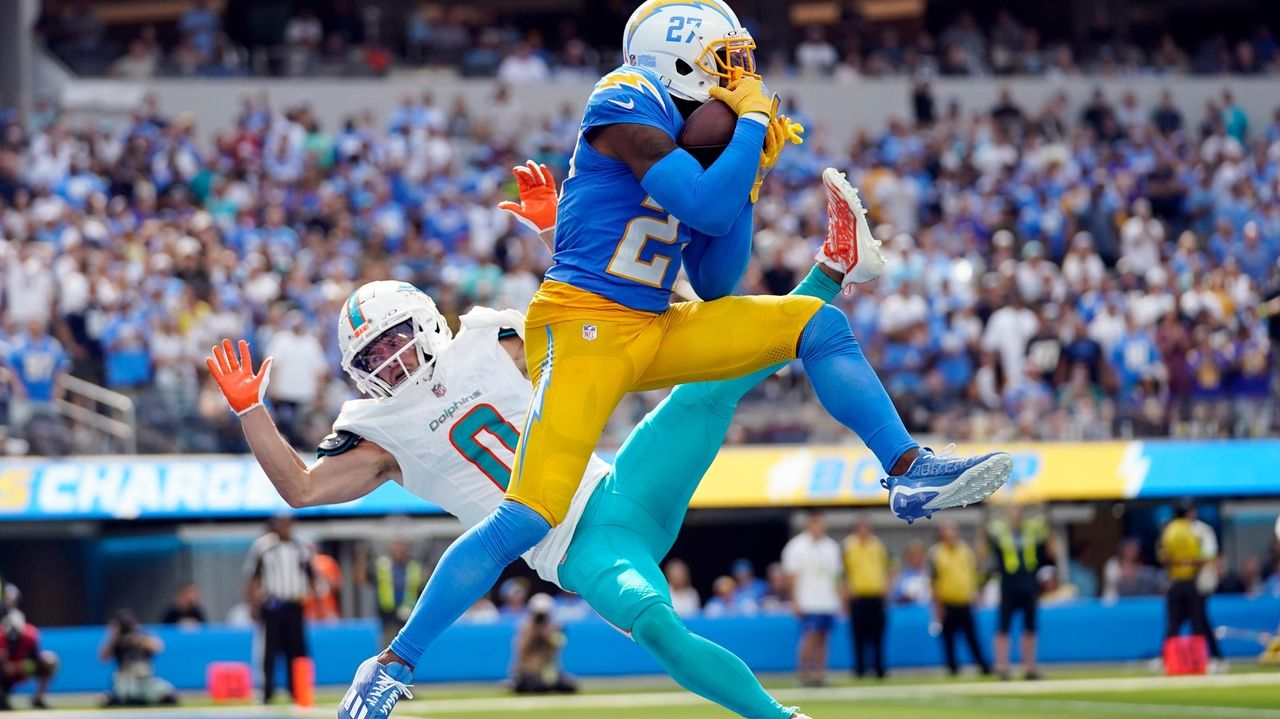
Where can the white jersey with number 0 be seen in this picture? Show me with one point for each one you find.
(454, 436)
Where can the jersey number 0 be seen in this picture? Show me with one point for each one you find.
(465, 437)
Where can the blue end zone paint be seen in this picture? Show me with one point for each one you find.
(1134, 629)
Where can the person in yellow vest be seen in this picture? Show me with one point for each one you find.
(397, 580)
(954, 570)
(1181, 555)
(1019, 548)
(866, 570)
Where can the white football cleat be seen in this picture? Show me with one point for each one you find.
(850, 248)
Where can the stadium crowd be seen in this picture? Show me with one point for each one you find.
(342, 37)
(1055, 273)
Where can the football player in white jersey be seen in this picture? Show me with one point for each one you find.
(441, 419)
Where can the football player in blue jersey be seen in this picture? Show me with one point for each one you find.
(634, 209)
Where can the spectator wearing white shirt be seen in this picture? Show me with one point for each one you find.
(814, 568)
(1141, 237)
(816, 56)
(1007, 333)
(1082, 267)
(902, 310)
(139, 63)
(684, 598)
(298, 374)
(524, 66)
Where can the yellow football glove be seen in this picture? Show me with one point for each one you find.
(782, 131)
(747, 94)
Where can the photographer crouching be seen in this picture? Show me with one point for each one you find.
(538, 646)
(21, 657)
(134, 681)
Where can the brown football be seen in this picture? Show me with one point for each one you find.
(707, 131)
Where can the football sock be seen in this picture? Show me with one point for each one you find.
(848, 387)
(468, 569)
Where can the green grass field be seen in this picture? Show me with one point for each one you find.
(1250, 693)
(1238, 696)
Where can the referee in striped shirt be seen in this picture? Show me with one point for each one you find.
(279, 577)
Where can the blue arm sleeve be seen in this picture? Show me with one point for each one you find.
(709, 200)
(715, 265)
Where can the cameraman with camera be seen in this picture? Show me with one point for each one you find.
(538, 646)
(134, 683)
(21, 657)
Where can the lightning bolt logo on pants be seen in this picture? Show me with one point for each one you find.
(536, 404)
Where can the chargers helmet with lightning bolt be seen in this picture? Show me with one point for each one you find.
(691, 44)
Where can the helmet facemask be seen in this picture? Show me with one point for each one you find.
(401, 355)
(730, 57)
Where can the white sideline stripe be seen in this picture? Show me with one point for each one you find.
(1087, 706)
(901, 691)
(991, 693)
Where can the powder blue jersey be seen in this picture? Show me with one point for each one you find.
(612, 239)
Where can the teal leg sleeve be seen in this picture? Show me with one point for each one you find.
(704, 667)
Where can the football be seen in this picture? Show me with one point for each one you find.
(707, 131)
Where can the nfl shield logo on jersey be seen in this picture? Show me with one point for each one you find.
(589, 333)
(438, 390)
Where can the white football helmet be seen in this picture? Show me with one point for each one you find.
(379, 323)
(691, 44)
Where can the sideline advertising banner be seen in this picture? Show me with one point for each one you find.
(762, 476)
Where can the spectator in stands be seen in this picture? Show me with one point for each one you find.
(954, 573)
(514, 594)
(866, 570)
(138, 64)
(539, 643)
(303, 35)
(523, 67)
(21, 656)
(726, 601)
(1271, 587)
(777, 598)
(201, 24)
(749, 586)
(133, 650)
(912, 583)
(186, 610)
(813, 565)
(816, 56)
(482, 612)
(1125, 575)
(298, 377)
(1019, 548)
(684, 598)
(39, 368)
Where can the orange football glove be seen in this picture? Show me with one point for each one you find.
(243, 389)
(537, 208)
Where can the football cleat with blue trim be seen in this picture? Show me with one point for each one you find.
(940, 481)
(375, 690)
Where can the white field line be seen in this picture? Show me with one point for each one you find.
(991, 694)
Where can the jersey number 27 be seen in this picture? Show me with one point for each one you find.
(626, 260)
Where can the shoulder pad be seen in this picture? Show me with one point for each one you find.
(337, 443)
